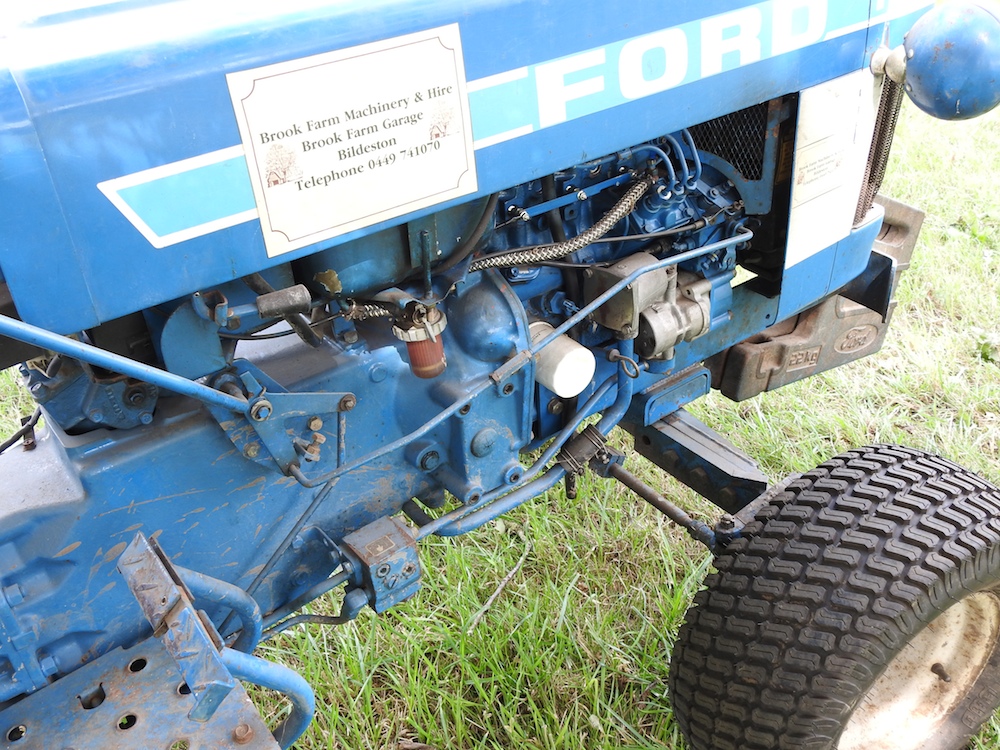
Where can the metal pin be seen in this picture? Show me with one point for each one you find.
(938, 669)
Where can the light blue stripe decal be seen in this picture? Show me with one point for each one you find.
(598, 79)
(197, 196)
(207, 194)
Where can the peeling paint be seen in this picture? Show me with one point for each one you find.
(115, 552)
(68, 549)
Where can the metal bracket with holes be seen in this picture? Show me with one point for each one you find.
(127, 699)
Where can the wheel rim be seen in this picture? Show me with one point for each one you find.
(928, 679)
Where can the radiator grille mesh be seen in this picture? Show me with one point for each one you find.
(738, 138)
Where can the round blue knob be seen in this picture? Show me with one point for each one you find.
(953, 60)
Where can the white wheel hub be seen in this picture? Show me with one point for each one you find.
(927, 680)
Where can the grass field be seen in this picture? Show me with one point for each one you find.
(573, 652)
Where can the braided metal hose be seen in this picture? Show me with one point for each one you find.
(364, 312)
(552, 252)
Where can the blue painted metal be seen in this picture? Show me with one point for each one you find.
(117, 363)
(79, 400)
(131, 698)
(92, 124)
(384, 561)
(953, 60)
(228, 595)
(167, 605)
(282, 679)
(281, 476)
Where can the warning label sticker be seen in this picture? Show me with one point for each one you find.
(347, 139)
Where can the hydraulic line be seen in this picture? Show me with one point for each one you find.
(281, 679)
(552, 252)
(696, 175)
(684, 179)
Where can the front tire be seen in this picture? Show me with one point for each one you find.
(859, 609)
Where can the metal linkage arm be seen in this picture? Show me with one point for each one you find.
(16, 329)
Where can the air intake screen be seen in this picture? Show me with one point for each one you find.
(738, 138)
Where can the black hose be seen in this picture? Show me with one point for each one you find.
(466, 249)
(25, 429)
(259, 285)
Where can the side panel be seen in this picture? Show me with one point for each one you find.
(541, 100)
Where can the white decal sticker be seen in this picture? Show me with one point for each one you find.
(833, 137)
(344, 140)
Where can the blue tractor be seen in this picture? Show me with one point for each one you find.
(296, 285)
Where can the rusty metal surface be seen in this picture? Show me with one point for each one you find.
(386, 554)
(133, 699)
(831, 334)
(167, 605)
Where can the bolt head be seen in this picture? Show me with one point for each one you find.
(243, 734)
(314, 424)
(14, 594)
(48, 666)
(261, 410)
(430, 460)
(348, 402)
(350, 337)
(251, 450)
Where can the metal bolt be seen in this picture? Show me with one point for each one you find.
(96, 416)
(409, 569)
(348, 402)
(146, 417)
(430, 460)
(523, 215)
(48, 666)
(251, 450)
(135, 396)
(726, 523)
(556, 406)
(581, 196)
(261, 410)
(38, 390)
(939, 670)
(314, 424)
(318, 438)
(350, 337)
(14, 594)
(243, 734)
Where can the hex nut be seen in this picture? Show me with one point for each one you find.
(243, 734)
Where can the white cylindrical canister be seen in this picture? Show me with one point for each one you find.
(564, 367)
